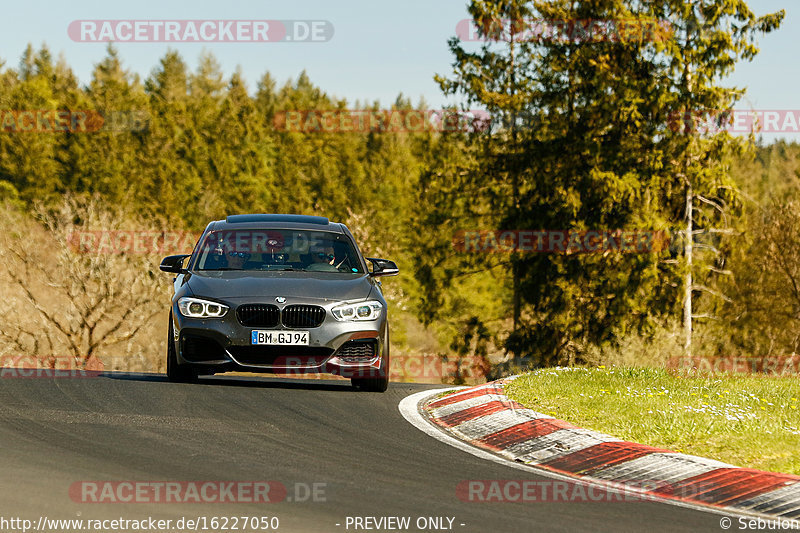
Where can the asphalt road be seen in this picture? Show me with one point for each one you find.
(364, 457)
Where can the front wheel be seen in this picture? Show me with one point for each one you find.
(377, 384)
(371, 384)
(176, 372)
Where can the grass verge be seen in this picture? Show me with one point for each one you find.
(746, 420)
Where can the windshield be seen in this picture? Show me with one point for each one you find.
(275, 249)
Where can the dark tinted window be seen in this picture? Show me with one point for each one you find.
(275, 249)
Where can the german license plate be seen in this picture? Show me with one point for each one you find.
(281, 338)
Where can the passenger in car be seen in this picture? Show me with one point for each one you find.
(236, 260)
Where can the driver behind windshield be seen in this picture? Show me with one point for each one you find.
(236, 260)
(325, 255)
(323, 258)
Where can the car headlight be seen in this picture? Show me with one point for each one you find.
(359, 312)
(196, 308)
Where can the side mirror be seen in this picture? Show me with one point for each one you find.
(173, 263)
(383, 267)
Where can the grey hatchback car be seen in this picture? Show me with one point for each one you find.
(281, 294)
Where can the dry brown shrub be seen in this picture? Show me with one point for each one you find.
(87, 305)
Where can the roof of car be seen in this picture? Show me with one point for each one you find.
(278, 221)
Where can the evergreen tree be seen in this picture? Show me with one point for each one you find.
(601, 155)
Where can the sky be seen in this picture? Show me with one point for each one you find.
(378, 49)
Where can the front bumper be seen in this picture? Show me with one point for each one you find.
(347, 349)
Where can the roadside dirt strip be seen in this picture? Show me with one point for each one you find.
(486, 418)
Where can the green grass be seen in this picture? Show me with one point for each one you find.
(746, 420)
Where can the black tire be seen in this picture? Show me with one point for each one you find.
(371, 384)
(175, 372)
(379, 384)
